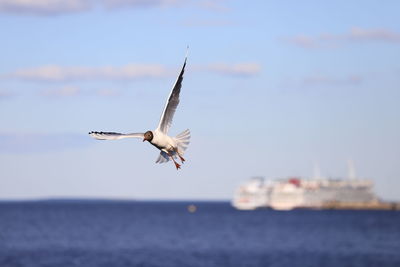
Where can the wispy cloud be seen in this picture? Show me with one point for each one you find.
(70, 91)
(214, 5)
(207, 23)
(55, 73)
(64, 91)
(4, 94)
(384, 35)
(38, 143)
(302, 41)
(142, 3)
(356, 34)
(108, 92)
(59, 7)
(239, 69)
(44, 7)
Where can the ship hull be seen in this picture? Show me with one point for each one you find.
(287, 194)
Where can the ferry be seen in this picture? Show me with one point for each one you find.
(296, 192)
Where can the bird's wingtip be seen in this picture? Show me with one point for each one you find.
(187, 52)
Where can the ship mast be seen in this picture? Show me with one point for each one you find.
(317, 172)
(352, 170)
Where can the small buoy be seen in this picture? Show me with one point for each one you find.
(192, 208)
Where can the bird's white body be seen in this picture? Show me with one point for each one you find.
(171, 147)
(163, 142)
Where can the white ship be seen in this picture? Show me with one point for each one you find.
(295, 192)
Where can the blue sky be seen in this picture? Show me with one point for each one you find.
(271, 87)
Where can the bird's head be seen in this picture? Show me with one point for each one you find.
(148, 136)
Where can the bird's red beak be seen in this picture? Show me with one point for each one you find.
(144, 139)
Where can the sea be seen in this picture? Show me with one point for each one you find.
(66, 233)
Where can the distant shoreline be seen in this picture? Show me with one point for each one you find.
(97, 200)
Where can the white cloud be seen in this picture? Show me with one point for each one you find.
(239, 69)
(44, 7)
(207, 23)
(356, 34)
(302, 41)
(55, 73)
(383, 35)
(59, 73)
(108, 92)
(141, 3)
(214, 5)
(71, 91)
(58, 7)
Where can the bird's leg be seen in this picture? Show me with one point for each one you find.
(178, 166)
(179, 155)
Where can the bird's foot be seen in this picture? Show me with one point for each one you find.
(177, 165)
(182, 159)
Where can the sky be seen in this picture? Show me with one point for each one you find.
(271, 88)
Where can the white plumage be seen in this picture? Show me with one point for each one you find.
(171, 147)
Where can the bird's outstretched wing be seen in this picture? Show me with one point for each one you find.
(114, 136)
(172, 103)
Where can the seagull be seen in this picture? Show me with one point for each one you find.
(170, 147)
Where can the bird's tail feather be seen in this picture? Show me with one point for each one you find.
(182, 140)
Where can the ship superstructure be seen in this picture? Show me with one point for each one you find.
(290, 193)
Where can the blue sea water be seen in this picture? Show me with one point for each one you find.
(135, 233)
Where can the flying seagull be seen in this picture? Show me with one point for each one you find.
(171, 147)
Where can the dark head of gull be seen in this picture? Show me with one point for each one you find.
(148, 136)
